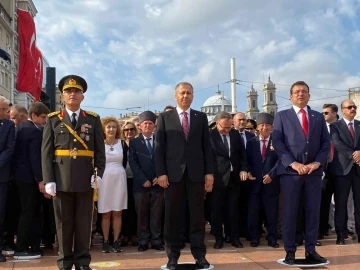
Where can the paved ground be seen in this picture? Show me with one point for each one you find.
(263, 257)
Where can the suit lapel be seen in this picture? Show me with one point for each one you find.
(268, 149)
(357, 131)
(312, 121)
(81, 119)
(66, 119)
(294, 119)
(220, 142)
(176, 120)
(346, 131)
(193, 121)
(144, 146)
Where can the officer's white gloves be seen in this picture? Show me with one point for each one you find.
(323, 176)
(95, 184)
(50, 188)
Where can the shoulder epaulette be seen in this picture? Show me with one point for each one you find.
(91, 113)
(53, 113)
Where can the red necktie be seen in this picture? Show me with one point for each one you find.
(263, 150)
(305, 123)
(185, 124)
(352, 132)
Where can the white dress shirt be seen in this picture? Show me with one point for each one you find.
(180, 113)
(71, 112)
(261, 143)
(151, 139)
(299, 114)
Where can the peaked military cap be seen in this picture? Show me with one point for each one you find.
(72, 81)
(250, 124)
(265, 118)
(147, 115)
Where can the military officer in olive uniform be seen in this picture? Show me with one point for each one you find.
(72, 150)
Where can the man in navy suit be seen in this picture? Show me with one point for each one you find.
(229, 170)
(240, 121)
(264, 191)
(184, 166)
(7, 145)
(29, 181)
(302, 142)
(148, 195)
(345, 135)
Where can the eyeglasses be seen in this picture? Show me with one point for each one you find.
(326, 113)
(129, 129)
(350, 107)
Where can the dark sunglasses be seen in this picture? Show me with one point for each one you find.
(326, 113)
(129, 129)
(350, 107)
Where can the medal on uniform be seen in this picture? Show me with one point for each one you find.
(87, 137)
(82, 135)
(82, 129)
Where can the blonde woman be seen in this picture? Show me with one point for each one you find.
(129, 232)
(113, 189)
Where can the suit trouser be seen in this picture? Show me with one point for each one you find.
(292, 186)
(243, 209)
(3, 198)
(129, 222)
(12, 215)
(49, 229)
(149, 209)
(328, 190)
(29, 222)
(175, 195)
(73, 214)
(343, 186)
(225, 198)
(270, 202)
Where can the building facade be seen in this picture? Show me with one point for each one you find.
(215, 104)
(252, 106)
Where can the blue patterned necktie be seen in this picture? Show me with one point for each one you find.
(148, 144)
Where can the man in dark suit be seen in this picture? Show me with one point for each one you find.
(264, 191)
(148, 195)
(229, 170)
(345, 135)
(329, 112)
(240, 121)
(184, 165)
(302, 142)
(7, 145)
(72, 147)
(29, 181)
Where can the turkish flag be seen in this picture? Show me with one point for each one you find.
(30, 71)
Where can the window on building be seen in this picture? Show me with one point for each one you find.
(271, 97)
(253, 105)
(1, 32)
(272, 113)
(6, 81)
(7, 39)
(2, 78)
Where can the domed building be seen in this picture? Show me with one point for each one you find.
(215, 104)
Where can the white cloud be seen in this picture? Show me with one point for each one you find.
(128, 49)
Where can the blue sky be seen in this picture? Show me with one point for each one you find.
(133, 53)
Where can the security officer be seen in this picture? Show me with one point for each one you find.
(73, 162)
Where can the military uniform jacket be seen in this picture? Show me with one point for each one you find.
(72, 174)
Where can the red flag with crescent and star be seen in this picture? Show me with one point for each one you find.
(30, 73)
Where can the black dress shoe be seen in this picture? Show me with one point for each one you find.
(340, 240)
(290, 258)
(254, 243)
(85, 267)
(273, 243)
(318, 244)
(227, 239)
(315, 257)
(158, 247)
(236, 243)
(172, 264)
(142, 248)
(202, 263)
(219, 243)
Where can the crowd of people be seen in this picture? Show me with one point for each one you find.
(157, 181)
